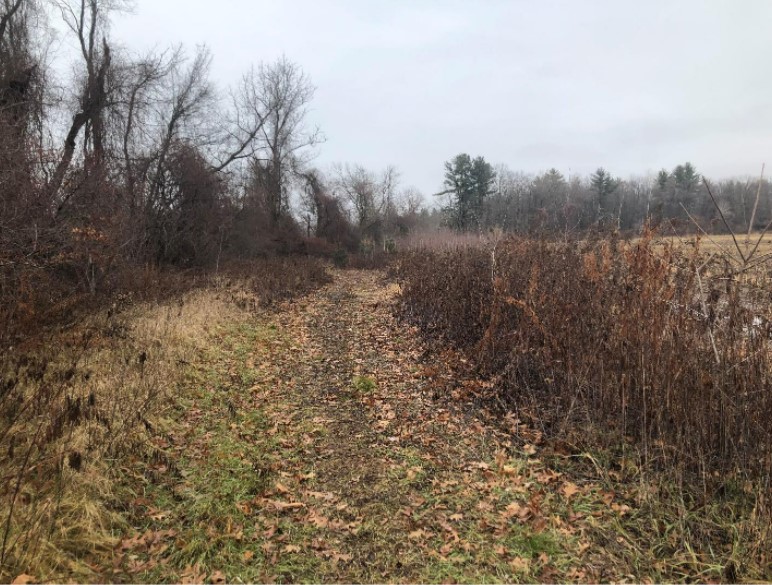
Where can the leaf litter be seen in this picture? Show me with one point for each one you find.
(284, 471)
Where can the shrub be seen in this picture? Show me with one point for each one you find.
(623, 335)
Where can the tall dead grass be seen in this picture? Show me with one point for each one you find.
(78, 410)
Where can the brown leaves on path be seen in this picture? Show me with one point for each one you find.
(363, 468)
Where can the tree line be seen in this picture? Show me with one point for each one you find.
(479, 196)
(138, 163)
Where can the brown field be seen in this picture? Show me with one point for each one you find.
(722, 243)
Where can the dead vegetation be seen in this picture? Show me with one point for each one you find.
(658, 353)
(79, 410)
(269, 447)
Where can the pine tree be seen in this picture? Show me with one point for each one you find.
(470, 181)
(604, 185)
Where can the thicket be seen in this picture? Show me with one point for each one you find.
(138, 172)
(658, 343)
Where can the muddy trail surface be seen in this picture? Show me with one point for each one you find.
(323, 443)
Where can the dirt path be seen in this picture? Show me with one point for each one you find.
(316, 445)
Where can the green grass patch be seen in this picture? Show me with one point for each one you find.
(363, 384)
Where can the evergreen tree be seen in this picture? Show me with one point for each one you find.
(686, 177)
(470, 181)
(662, 179)
(685, 181)
(604, 185)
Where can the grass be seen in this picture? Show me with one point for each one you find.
(713, 243)
(226, 463)
(363, 384)
(115, 383)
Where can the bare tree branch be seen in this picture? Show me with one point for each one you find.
(726, 223)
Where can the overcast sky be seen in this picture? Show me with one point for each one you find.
(630, 85)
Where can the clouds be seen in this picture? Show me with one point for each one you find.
(628, 85)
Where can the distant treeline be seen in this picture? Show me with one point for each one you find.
(480, 196)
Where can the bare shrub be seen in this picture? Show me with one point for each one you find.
(622, 335)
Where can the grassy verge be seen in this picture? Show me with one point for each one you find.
(88, 410)
(190, 511)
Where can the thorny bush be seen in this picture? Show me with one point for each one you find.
(661, 345)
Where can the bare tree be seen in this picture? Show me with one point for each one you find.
(87, 19)
(141, 92)
(20, 109)
(411, 200)
(283, 92)
(246, 124)
(190, 94)
(371, 196)
(10, 8)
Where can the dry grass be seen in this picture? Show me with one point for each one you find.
(718, 243)
(441, 239)
(77, 410)
(85, 406)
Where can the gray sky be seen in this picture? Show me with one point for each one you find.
(629, 85)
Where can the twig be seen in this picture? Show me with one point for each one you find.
(726, 223)
(705, 311)
(761, 237)
(707, 235)
(755, 206)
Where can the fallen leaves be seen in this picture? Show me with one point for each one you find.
(569, 489)
(192, 574)
(317, 519)
(336, 556)
(621, 509)
(390, 465)
(149, 540)
(326, 496)
(413, 472)
(282, 506)
(520, 565)
(516, 510)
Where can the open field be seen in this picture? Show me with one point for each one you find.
(723, 243)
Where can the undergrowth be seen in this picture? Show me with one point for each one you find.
(661, 349)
